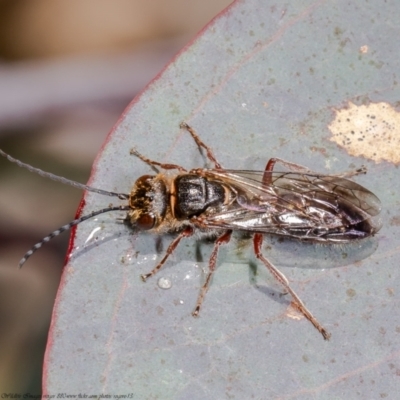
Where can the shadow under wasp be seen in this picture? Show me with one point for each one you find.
(298, 204)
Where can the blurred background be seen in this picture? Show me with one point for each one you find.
(68, 69)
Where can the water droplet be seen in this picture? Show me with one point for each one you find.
(164, 283)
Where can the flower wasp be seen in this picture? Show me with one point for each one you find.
(298, 204)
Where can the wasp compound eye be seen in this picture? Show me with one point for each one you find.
(146, 222)
(144, 180)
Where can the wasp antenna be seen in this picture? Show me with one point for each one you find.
(66, 227)
(44, 174)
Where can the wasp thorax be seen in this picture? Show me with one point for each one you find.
(148, 202)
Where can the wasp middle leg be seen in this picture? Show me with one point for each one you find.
(200, 143)
(223, 239)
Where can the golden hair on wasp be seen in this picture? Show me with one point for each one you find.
(298, 203)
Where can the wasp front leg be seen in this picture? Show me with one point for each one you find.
(154, 164)
(184, 234)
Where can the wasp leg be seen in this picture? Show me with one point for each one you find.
(200, 143)
(153, 163)
(267, 178)
(258, 238)
(348, 174)
(300, 168)
(289, 165)
(223, 239)
(184, 234)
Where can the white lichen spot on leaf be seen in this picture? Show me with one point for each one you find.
(370, 131)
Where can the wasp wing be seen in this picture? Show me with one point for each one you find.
(302, 205)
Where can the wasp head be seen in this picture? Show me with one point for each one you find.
(148, 202)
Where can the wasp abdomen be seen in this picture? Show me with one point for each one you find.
(195, 194)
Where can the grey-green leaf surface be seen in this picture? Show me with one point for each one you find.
(261, 80)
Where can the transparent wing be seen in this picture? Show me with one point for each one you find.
(302, 205)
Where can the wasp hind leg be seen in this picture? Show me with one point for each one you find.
(301, 169)
(289, 165)
(267, 177)
(285, 283)
(223, 239)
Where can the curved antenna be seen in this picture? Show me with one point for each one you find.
(66, 227)
(61, 179)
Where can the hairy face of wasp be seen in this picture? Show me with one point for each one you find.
(148, 202)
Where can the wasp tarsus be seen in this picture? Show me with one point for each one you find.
(298, 203)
